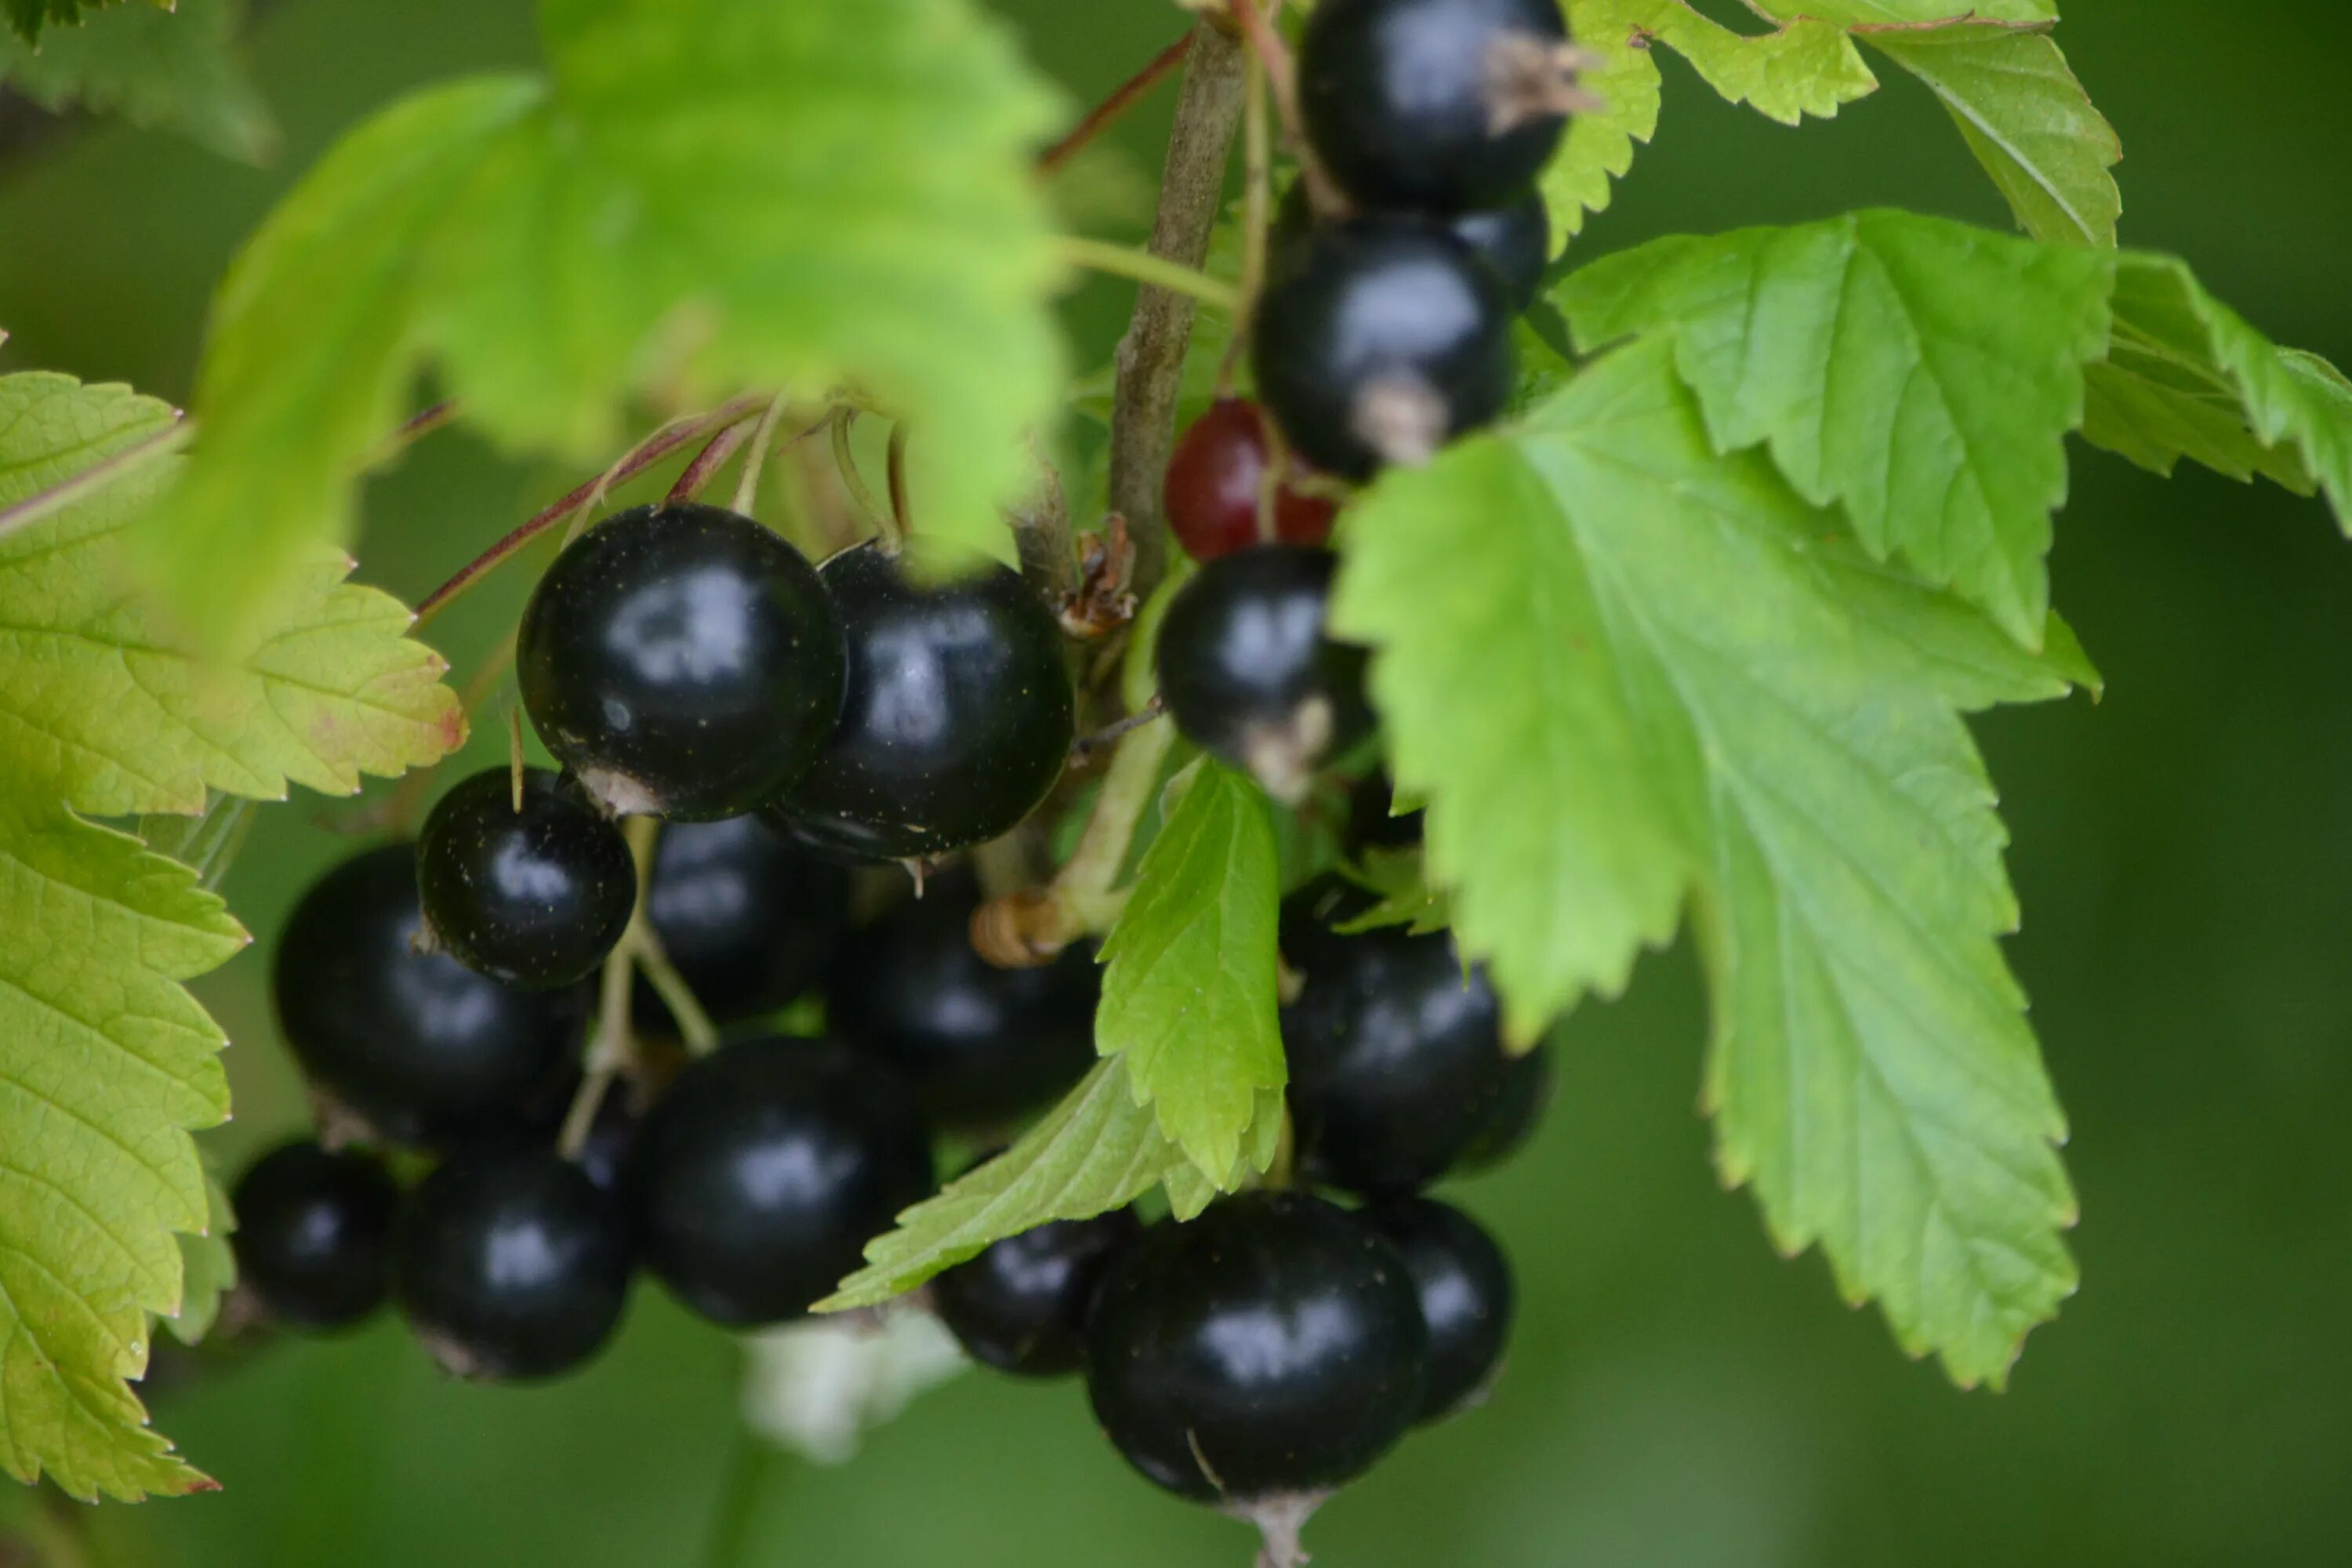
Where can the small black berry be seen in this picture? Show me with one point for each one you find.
(981, 1044)
(1387, 338)
(1021, 1305)
(1526, 1093)
(1272, 1346)
(760, 1177)
(1436, 105)
(1397, 1062)
(535, 896)
(417, 1044)
(1248, 673)
(682, 660)
(313, 1234)
(748, 921)
(958, 716)
(511, 1265)
(1467, 1297)
(1513, 239)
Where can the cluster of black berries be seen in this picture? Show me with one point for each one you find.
(1382, 333)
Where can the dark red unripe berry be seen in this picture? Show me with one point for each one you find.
(1216, 477)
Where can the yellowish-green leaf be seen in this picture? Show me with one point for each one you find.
(207, 1267)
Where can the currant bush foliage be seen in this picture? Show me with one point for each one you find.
(30, 17)
(177, 70)
(106, 1063)
(696, 197)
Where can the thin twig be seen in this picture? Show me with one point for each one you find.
(1086, 746)
(1257, 204)
(1274, 56)
(613, 1048)
(844, 460)
(747, 483)
(640, 457)
(708, 462)
(1150, 361)
(1106, 113)
(1121, 262)
(895, 473)
(413, 429)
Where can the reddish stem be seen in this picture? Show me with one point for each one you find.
(651, 451)
(1109, 112)
(1274, 59)
(708, 461)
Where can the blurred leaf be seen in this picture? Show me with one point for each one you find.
(207, 1267)
(178, 70)
(1189, 996)
(105, 1062)
(1094, 1151)
(1801, 768)
(706, 195)
(29, 16)
(1922, 374)
(2187, 377)
(1405, 896)
(1804, 68)
(2028, 120)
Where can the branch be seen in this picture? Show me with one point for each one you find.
(1151, 361)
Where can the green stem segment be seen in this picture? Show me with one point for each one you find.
(1123, 262)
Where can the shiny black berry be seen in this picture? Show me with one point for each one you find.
(535, 896)
(313, 1234)
(511, 1265)
(1397, 1063)
(682, 660)
(1436, 105)
(1021, 1306)
(981, 1044)
(1512, 1121)
(957, 719)
(1385, 340)
(1467, 1297)
(750, 921)
(1272, 1346)
(1247, 672)
(417, 1044)
(760, 1177)
(1513, 239)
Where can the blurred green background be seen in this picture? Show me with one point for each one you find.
(1677, 1396)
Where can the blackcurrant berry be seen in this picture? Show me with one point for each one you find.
(682, 660)
(760, 1177)
(1386, 339)
(313, 1234)
(1248, 673)
(1513, 239)
(511, 1265)
(1214, 479)
(1516, 1110)
(535, 896)
(420, 1047)
(604, 1156)
(1021, 1306)
(958, 717)
(1467, 1297)
(1435, 105)
(981, 1044)
(750, 921)
(1396, 1059)
(1272, 1346)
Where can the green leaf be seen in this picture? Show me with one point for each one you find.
(1405, 898)
(1094, 1151)
(1920, 372)
(706, 195)
(1189, 996)
(105, 1062)
(2027, 119)
(1902, 14)
(207, 1267)
(29, 16)
(2185, 376)
(1804, 68)
(1191, 1190)
(118, 719)
(1783, 715)
(177, 71)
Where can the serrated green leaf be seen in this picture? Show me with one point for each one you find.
(119, 720)
(1803, 68)
(2185, 376)
(1191, 976)
(28, 17)
(1921, 374)
(1404, 895)
(1789, 709)
(1094, 1151)
(1902, 14)
(1190, 1189)
(2028, 120)
(105, 1065)
(207, 1267)
(704, 195)
(105, 1062)
(178, 70)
